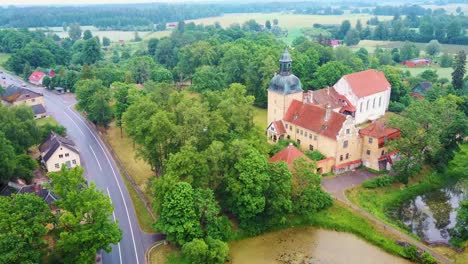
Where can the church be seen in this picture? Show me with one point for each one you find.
(343, 122)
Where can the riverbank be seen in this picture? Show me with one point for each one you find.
(381, 201)
(337, 218)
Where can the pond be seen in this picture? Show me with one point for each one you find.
(308, 245)
(430, 216)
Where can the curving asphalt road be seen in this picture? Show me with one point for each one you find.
(101, 169)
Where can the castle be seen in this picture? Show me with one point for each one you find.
(343, 122)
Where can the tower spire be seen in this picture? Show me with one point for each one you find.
(285, 63)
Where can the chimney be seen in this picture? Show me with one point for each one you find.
(327, 112)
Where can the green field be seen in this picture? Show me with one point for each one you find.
(370, 45)
(442, 72)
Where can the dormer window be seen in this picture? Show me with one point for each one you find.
(324, 127)
(295, 116)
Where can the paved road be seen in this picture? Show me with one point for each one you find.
(339, 184)
(101, 169)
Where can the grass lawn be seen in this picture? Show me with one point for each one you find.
(47, 120)
(158, 34)
(138, 170)
(442, 72)
(3, 58)
(260, 117)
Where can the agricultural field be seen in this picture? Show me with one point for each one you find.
(442, 72)
(370, 45)
(113, 35)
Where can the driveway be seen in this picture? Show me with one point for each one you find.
(340, 183)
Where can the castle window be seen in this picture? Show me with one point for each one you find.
(310, 136)
(341, 157)
(345, 144)
(297, 130)
(373, 103)
(305, 134)
(290, 128)
(367, 107)
(360, 108)
(315, 137)
(299, 142)
(347, 155)
(301, 132)
(311, 147)
(371, 140)
(286, 125)
(348, 131)
(368, 152)
(380, 101)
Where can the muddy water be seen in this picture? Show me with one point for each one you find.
(308, 245)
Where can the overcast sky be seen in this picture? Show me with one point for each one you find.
(74, 2)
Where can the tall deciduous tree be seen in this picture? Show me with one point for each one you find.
(178, 219)
(459, 70)
(23, 220)
(433, 47)
(74, 31)
(84, 224)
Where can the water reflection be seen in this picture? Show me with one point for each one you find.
(308, 245)
(430, 216)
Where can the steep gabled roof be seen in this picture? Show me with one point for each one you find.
(330, 96)
(52, 143)
(368, 82)
(289, 154)
(312, 117)
(278, 127)
(378, 129)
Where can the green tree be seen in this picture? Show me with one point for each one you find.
(91, 51)
(178, 219)
(207, 78)
(329, 73)
(344, 28)
(106, 42)
(446, 60)
(433, 47)
(84, 223)
(19, 127)
(100, 111)
(459, 70)
(23, 220)
(429, 75)
(27, 71)
(246, 185)
(152, 46)
(25, 166)
(87, 34)
(74, 31)
(141, 68)
(234, 63)
(7, 159)
(278, 196)
(162, 75)
(408, 51)
(115, 56)
(454, 29)
(193, 56)
(196, 251)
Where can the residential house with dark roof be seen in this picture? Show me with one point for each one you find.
(57, 150)
(326, 120)
(15, 95)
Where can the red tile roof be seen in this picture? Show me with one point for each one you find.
(289, 154)
(378, 129)
(279, 127)
(368, 82)
(312, 117)
(36, 76)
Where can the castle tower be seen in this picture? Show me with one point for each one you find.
(284, 88)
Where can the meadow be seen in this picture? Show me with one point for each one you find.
(113, 35)
(371, 45)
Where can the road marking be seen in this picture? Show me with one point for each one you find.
(116, 180)
(95, 157)
(79, 129)
(113, 215)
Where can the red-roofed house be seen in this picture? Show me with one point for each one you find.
(368, 91)
(375, 154)
(36, 77)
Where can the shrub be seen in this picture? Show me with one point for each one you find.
(411, 252)
(381, 181)
(427, 258)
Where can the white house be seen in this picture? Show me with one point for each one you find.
(57, 150)
(368, 91)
